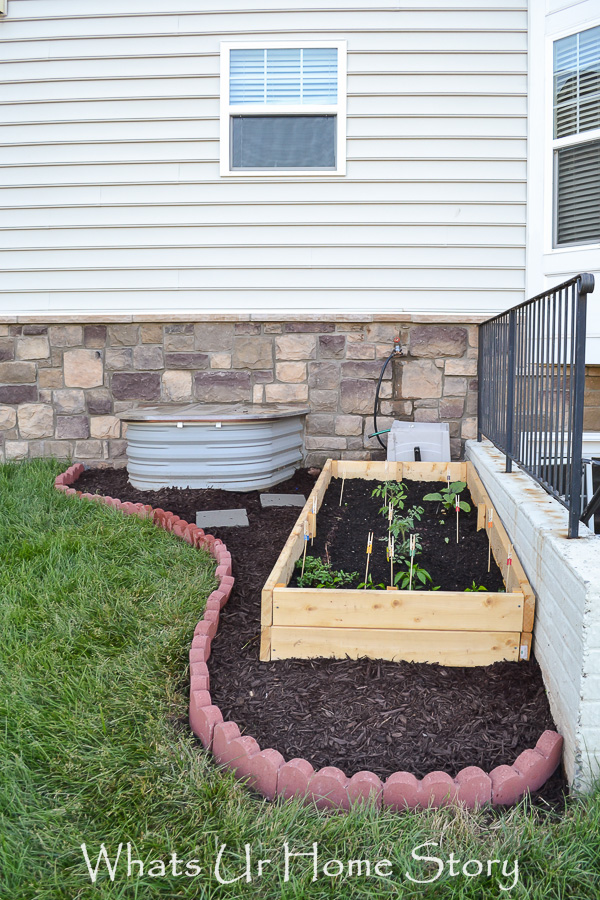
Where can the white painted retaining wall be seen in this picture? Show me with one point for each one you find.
(565, 575)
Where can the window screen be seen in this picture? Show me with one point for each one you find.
(283, 142)
(578, 193)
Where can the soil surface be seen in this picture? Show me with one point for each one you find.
(342, 533)
(354, 714)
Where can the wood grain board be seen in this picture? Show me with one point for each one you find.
(436, 610)
(449, 648)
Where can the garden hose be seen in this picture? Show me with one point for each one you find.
(397, 351)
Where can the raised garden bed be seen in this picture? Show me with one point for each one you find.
(456, 628)
(350, 714)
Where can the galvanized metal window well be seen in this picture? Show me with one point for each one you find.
(531, 371)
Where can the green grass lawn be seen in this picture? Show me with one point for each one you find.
(97, 612)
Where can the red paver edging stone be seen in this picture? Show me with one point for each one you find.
(266, 771)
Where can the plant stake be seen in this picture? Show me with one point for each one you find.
(391, 556)
(314, 522)
(343, 482)
(457, 507)
(306, 537)
(369, 551)
(412, 540)
(489, 525)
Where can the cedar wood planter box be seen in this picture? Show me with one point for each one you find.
(453, 628)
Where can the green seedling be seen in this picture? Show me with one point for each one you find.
(420, 579)
(447, 497)
(393, 492)
(369, 585)
(400, 527)
(319, 574)
(476, 587)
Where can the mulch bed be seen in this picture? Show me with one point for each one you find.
(355, 714)
(342, 535)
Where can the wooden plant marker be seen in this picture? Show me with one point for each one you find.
(312, 521)
(412, 542)
(369, 551)
(343, 483)
(490, 522)
(306, 537)
(457, 507)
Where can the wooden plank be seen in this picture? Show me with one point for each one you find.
(320, 487)
(264, 653)
(434, 610)
(435, 471)
(518, 578)
(528, 596)
(292, 549)
(481, 516)
(501, 548)
(475, 485)
(369, 470)
(525, 646)
(283, 568)
(449, 648)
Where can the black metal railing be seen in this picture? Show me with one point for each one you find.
(531, 373)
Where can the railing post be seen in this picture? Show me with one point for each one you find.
(510, 387)
(585, 284)
(482, 336)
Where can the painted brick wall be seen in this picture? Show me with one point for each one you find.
(62, 385)
(565, 575)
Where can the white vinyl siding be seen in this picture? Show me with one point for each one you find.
(112, 199)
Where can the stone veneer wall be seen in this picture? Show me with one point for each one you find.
(591, 402)
(61, 385)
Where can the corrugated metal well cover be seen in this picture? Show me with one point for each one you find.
(236, 447)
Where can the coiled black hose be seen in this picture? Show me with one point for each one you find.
(395, 352)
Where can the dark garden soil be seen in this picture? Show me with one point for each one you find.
(342, 533)
(355, 714)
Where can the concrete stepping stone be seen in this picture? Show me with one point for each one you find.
(222, 518)
(282, 500)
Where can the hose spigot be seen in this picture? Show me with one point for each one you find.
(397, 348)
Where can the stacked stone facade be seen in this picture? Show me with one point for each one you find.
(62, 385)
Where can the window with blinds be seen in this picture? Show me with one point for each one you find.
(576, 92)
(283, 108)
(294, 75)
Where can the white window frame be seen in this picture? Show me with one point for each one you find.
(338, 109)
(3, 9)
(554, 144)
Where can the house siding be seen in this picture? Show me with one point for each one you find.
(548, 266)
(112, 200)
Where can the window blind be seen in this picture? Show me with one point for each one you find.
(283, 76)
(577, 83)
(578, 194)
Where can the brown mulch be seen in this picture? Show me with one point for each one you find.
(355, 714)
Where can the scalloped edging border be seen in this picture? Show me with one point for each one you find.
(267, 771)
